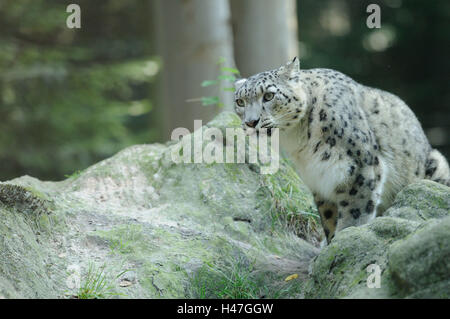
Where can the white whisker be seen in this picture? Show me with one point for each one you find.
(284, 116)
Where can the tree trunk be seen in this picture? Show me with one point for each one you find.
(193, 35)
(265, 34)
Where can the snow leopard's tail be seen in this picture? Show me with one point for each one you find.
(437, 169)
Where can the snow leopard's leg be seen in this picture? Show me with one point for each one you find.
(437, 169)
(357, 203)
(328, 216)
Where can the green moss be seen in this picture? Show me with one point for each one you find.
(392, 229)
(123, 239)
(225, 120)
(162, 280)
(421, 201)
(420, 261)
(340, 267)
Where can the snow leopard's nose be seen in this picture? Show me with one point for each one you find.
(252, 123)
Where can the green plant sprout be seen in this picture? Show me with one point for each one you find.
(74, 175)
(227, 75)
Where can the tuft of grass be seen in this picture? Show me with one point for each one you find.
(237, 284)
(98, 284)
(74, 175)
(240, 280)
(288, 207)
(233, 281)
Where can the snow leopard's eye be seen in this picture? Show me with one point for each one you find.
(240, 102)
(268, 96)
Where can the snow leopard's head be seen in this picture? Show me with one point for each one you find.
(272, 99)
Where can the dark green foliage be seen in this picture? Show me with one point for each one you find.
(226, 79)
(71, 97)
(409, 58)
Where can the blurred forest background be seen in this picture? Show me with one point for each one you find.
(135, 69)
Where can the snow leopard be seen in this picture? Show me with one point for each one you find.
(355, 147)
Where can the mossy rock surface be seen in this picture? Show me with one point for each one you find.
(165, 224)
(411, 251)
(421, 201)
(420, 264)
(156, 229)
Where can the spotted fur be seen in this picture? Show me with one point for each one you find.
(354, 146)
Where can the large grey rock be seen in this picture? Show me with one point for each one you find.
(150, 228)
(412, 251)
(170, 227)
(420, 265)
(421, 201)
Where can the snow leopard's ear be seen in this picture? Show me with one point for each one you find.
(291, 68)
(239, 83)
